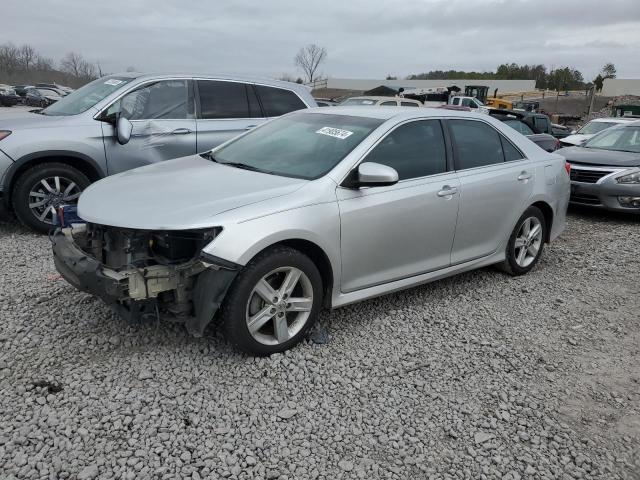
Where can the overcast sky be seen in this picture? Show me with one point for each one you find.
(363, 38)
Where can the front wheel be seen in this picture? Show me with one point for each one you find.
(526, 243)
(42, 189)
(273, 302)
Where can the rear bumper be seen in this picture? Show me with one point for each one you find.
(604, 195)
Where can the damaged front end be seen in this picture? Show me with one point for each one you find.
(142, 273)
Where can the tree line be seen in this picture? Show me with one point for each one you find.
(22, 64)
(562, 78)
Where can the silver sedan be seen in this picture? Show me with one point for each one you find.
(318, 208)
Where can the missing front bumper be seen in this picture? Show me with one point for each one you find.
(190, 292)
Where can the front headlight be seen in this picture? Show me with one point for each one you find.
(630, 178)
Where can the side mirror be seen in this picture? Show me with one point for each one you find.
(123, 130)
(370, 174)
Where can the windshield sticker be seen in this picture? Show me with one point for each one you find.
(113, 82)
(334, 132)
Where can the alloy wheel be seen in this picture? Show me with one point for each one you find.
(279, 305)
(528, 241)
(46, 195)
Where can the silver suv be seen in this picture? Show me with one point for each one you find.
(120, 122)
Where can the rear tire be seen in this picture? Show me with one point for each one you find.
(526, 243)
(273, 302)
(30, 190)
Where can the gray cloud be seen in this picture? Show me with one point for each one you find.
(364, 38)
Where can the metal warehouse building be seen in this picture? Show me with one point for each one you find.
(614, 87)
(355, 84)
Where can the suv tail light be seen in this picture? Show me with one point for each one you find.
(567, 167)
(4, 134)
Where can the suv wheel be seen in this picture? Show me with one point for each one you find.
(273, 302)
(41, 189)
(525, 243)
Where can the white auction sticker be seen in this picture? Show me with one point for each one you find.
(335, 132)
(113, 82)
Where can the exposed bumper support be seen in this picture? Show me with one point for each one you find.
(134, 293)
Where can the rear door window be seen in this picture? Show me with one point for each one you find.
(389, 104)
(476, 144)
(408, 104)
(221, 99)
(278, 101)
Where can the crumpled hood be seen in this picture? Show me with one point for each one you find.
(178, 194)
(594, 156)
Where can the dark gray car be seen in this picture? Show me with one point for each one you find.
(48, 159)
(605, 171)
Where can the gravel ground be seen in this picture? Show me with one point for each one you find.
(478, 376)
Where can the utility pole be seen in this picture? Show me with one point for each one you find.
(593, 95)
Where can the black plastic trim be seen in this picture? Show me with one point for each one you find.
(219, 262)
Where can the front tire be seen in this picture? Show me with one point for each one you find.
(526, 243)
(273, 302)
(43, 188)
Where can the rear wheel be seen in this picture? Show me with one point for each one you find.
(273, 302)
(42, 189)
(525, 243)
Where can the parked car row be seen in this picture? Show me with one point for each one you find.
(39, 95)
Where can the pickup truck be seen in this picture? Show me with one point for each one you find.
(471, 102)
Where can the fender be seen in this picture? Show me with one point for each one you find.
(15, 167)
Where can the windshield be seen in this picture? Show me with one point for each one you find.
(301, 145)
(359, 101)
(622, 139)
(86, 97)
(592, 128)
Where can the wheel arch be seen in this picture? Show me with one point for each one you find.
(547, 212)
(318, 256)
(81, 162)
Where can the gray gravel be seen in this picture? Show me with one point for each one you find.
(479, 376)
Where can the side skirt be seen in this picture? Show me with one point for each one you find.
(341, 299)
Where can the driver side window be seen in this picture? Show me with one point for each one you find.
(167, 99)
(414, 150)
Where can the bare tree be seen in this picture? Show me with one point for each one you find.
(309, 59)
(609, 70)
(26, 57)
(75, 65)
(286, 77)
(9, 62)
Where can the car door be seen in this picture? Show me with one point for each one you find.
(164, 127)
(394, 232)
(495, 183)
(225, 110)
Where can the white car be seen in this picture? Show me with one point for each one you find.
(371, 101)
(578, 137)
(471, 102)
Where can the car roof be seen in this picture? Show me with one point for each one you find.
(614, 120)
(400, 113)
(374, 97)
(222, 76)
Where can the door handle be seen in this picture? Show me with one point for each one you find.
(181, 131)
(250, 127)
(524, 176)
(447, 191)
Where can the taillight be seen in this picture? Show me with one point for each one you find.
(567, 167)
(4, 133)
(557, 144)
